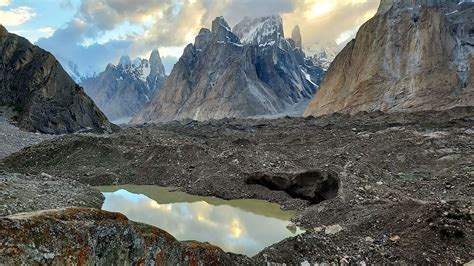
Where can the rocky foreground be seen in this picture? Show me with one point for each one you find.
(373, 188)
(93, 237)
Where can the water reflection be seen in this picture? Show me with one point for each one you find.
(229, 227)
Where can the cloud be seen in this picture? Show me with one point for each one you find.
(66, 44)
(47, 30)
(65, 4)
(4, 2)
(170, 24)
(15, 16)
(329, 21)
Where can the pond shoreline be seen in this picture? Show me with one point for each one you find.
(239, 226)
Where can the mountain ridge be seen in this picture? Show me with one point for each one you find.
(121, 91)
(222, 75)
(46, 98)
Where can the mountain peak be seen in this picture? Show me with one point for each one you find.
(109, 67)
(125, 61)
(220, 23)
(202, 39)
(156, 65)
(261, 30)
(3, 30)
(154, 54)
(222, 31)
(296, 36)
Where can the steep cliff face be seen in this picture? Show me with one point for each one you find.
(46, 98)
(121, 91)
(413, 55)
(249, 71)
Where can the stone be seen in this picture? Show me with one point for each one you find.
(333, 229)
(46, 176)
(369, 239)
(394, 238)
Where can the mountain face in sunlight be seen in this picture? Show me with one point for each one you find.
(407, 58)
(251, 70)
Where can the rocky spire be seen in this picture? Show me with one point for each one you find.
(202, 39)
(3, 31)
(125, 61)
(222, 31)
(156, 66)
(296, 36)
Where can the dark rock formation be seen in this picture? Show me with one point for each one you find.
(250, 71)
(46, 98)
(413, 55)
(314, 186)
(94, 237)
(121, 91)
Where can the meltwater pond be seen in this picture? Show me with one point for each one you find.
(238, 226)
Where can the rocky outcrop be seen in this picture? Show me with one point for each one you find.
(94, 237)
(121, 91)
(413, 55)
(315, 186)
(296, 36)
(249, 71)
(46, 98)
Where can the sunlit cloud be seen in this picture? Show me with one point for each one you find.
(47, 30)
(15, 16)
(320, 8)
(4, 2)
(170, 25)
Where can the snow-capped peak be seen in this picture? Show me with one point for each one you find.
(259, 31)
(322, 54)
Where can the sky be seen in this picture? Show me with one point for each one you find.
(93, 33)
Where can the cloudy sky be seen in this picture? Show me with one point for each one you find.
(92, 33)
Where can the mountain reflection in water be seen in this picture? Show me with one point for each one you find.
(232, 228)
